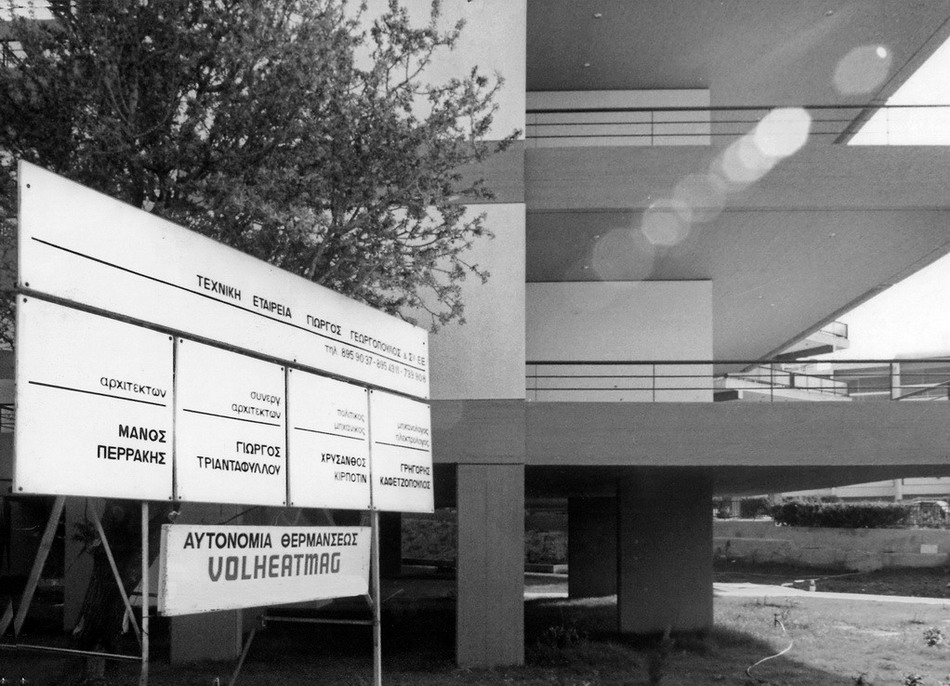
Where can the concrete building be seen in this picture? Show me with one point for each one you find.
(650, 236)
(648, 222)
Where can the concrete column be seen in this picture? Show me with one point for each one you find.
(490, 624)
(390, 544)
(591, 547)
(210, 635)
(665, 551)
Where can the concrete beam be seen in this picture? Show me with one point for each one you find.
(872, 434)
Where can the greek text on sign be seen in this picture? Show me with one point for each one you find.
(328, 440)
(206, 568)
(87, 248)
(94, 405)
(230, 444)
(402, 454)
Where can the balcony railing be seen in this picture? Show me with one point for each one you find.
(836, 329)
(919, 380)
(649, 126)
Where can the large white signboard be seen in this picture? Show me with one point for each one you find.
(402, 453)
(206, 568)
(229, 427)
(94, 405)
(328, 440)
(90, 249)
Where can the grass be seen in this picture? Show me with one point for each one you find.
(570, 643)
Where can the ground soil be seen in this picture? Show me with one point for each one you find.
(931, 582)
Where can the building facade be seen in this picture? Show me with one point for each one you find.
(684, 203)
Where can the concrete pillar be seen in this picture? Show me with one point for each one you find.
(665, 551)
(591, 547)
(390, 544)
(490, 624)
(210, 635)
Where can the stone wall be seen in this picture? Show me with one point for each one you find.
(850, 549)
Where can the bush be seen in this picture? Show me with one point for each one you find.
(545, 547)
(750, 508)
(840, 515)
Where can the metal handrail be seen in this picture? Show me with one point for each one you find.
(644, 380)
(715, 121)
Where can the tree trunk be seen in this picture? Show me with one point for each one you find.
(100, 619)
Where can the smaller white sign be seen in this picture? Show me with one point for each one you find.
(94, 405)
(206, 568)
(230, 412)
(328, 440)
(401, 454)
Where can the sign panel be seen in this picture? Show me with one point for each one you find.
(207, 568)
(90, 249)
(401, 453)
(94, 405)
(328, 440)
(230, 414)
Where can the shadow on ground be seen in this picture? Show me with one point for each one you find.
(568, 643)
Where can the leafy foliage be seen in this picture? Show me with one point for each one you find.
(839, 515)
(298, 131)
(287, 129)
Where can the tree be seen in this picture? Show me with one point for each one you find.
(298, 131)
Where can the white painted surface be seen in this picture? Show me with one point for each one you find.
(484, 357)
(493, 39)
(620, 321)
(94, 405)
(87, 248)
(401, 433)
(230, 414)
(328, 442)
(207, 568)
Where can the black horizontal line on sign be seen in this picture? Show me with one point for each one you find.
(329, 433)
(400, 445)
(104, 395)
(224, 416)
(224, 302)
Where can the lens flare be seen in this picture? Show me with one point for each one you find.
(699, 197)
(863, 70)
(663, 223)
(622, 255)
(782, 132)
(743, 163)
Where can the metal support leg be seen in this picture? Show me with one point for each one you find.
(118, 578)
(45, 544)
(143, 678)
(247, 647)
(377, 603)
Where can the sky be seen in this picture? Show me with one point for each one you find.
(912, 318)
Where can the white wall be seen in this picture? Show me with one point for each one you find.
(484, 358)
(493, 39)
(622, 321)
